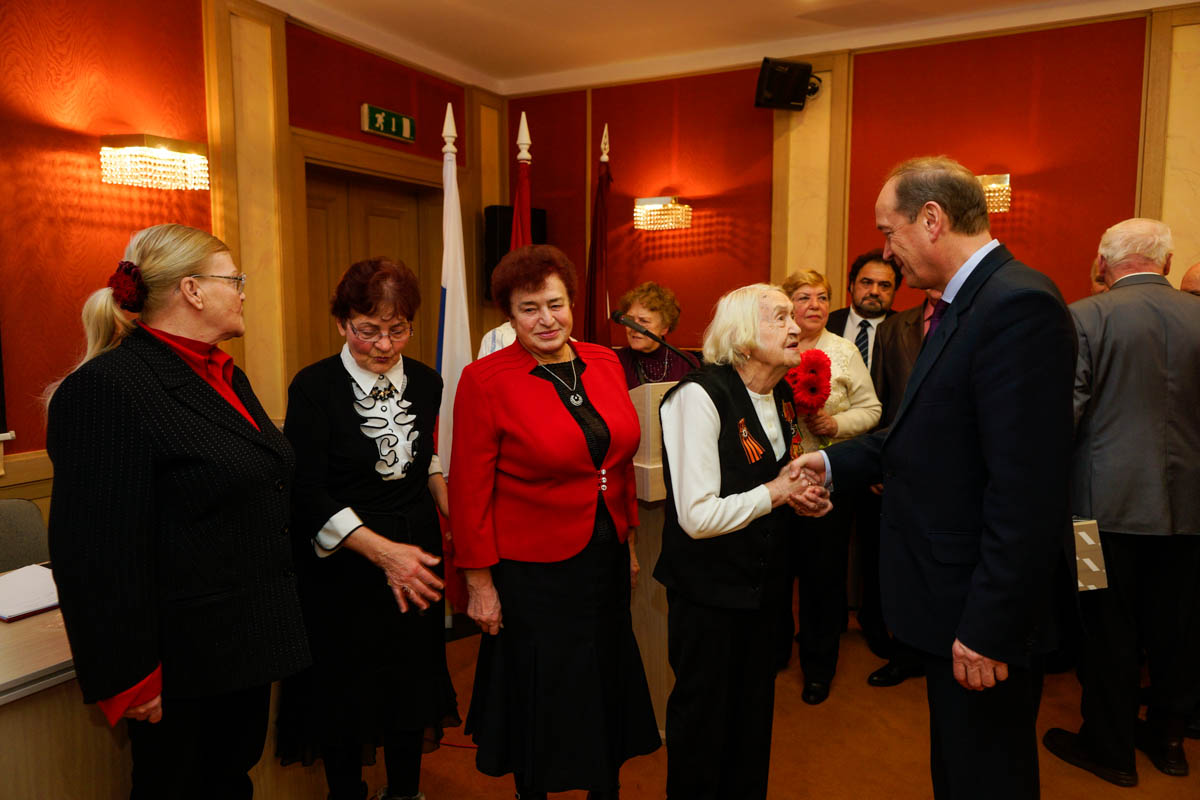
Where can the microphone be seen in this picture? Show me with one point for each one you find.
(621, 319)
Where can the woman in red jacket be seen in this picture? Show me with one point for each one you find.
(543, 502)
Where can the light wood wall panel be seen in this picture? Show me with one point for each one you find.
(1181, 163)
(808, 193)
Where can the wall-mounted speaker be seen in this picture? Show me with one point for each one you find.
(785, 84)
(497, 233)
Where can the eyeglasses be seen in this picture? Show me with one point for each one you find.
(372, 334)
(241, 279)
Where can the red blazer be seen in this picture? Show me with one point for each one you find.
(524, 487)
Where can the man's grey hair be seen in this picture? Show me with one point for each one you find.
(1136, 238)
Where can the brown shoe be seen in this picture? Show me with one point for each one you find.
(1069, 748)
(1165, 752)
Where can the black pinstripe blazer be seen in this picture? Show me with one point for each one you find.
(168, 528)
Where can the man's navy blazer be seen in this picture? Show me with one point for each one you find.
(975, 469)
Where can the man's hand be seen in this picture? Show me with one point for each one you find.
(791, 480)
(976, 671)
(811, 463)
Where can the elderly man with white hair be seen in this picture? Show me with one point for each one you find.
(1136, 470)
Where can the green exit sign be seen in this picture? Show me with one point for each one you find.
(391, 124)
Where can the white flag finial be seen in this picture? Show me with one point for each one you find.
(449, 132)
(523, 140)
(604, 144)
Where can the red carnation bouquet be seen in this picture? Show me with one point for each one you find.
(810, 381)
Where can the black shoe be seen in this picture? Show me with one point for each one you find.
(1070, 748)
(1192, 731)
(894, 673)
(1165, 752)
(815, 692)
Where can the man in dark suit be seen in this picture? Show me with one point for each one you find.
(897, 345)
(873, 284)
(1136, 472)
(975, 514)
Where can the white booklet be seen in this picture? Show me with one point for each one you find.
(25, 591)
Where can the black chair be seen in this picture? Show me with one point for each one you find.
(22, 535)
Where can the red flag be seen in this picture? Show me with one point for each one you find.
(520, 225)
(595, 311)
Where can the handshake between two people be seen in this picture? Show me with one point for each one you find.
(801, 484)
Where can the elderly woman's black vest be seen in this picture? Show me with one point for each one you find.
(745, 569)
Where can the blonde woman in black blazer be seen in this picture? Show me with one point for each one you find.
(168, 521)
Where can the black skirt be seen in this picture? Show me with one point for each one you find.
(560, 695)
(375, 671)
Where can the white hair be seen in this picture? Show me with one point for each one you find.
(1139, 237)
(733, 333)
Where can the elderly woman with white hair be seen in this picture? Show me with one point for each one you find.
(730, 430)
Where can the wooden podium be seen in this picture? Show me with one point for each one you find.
(649, 603)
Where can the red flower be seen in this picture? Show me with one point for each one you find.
(129, 290)
(810, 381)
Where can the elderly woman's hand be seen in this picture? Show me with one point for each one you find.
(483, 601)
(821, 424)
(811, 502)
(635, 566)
(793, 480)
(150, 711)
(406, 567)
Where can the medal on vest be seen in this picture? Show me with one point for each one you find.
(754, 450)
(796, 449)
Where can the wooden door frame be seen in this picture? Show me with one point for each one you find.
(311, 147)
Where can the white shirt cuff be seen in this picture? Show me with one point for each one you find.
(828, 471)
(435, 465)
(331, 536)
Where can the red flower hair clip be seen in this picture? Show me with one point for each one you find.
(129, 290)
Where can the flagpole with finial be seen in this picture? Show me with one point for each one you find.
(521, 234)
(454, 331)
(596, 306)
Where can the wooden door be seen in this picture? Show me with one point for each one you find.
(352, 217)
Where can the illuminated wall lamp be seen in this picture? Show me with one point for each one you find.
(661, 214)
(997, 192)
(139, 159)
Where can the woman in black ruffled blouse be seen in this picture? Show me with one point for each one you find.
(364, 514)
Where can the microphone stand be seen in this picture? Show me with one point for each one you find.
(621, 319)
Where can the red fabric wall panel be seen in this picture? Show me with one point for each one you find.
(72, 73)
(700, 138)
(1060, 110)
(328, 81)
(558, 176)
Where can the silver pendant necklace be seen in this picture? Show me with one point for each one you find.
(576, 398)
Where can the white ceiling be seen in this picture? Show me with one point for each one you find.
(520, 46)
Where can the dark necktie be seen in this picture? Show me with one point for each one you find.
(862, 341)
(939, 311)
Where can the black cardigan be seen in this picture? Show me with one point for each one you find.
(168, 528)
(745, 569)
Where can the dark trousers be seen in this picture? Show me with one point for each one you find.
(1153, 603)
(720, 712)
(820, 549)
(202, 748)
(401, 757)
(867, 506)
(982, 745)
(866, 531)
